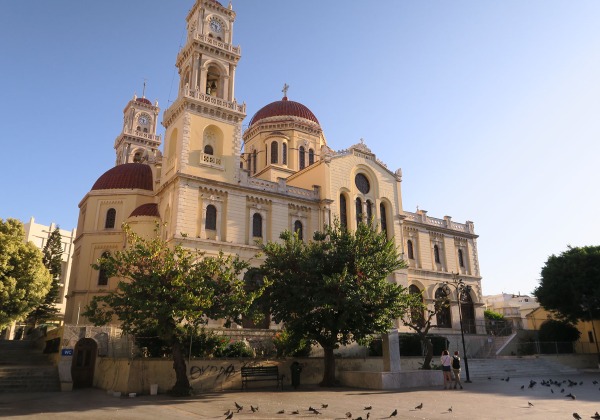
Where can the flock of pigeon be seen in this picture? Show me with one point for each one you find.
(311, 410)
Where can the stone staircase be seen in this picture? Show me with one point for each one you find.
(503, 367)
(24, 368)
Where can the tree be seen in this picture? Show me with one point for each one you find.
(172, 291)
(52, 259)
(570, 284)
(419, 318)
(24, 281)
(333, 290)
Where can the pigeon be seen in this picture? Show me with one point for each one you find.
(394, 413)
(595, 382)
(229, 416)
(551, 390)
(296, 412)
(310, 408)
(450, 409)
(522, 386)
(596, 416)
(227, 413)
(368, 407)
(369, 415)
(507, 378)
(281, 412)
(254, 409)
(349, 414)
(358, 418)
(529, 402)
(324, 405)
(562, 390)
(576, 416)
(316, 412)
(489, 378)
(418, 407)
(239, 407)
(569, 395)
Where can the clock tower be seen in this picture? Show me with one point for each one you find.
(138, 141)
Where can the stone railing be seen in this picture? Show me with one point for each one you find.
(446, 222)
(210, 160)
(281, 187)
(213, 100)
(219, 44)
(138, 133)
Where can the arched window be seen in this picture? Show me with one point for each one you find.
(274, 147)
(383, 217)
(343, 212)
(284, 153)
(467, 310)
(436, 254)
(257, 225)
(369, 212)
(442, 303)
(208, 149)
(410, 251)
(249, 162)
(461, 261)
(137, 157)
(111, 216)
(311, 156)
(298, 229)
(359, 211)
(211, 218)
(416, 315)
(302, 157)
(102, 274)
(254, 163)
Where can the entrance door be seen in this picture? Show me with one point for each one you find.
(84, 360)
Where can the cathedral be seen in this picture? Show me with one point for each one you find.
(217, 187)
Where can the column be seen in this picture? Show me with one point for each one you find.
(391, 351)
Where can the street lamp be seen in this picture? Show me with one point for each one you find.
(460, 287)
(588, 305)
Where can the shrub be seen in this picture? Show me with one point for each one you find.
(235, 349)
(288, 346)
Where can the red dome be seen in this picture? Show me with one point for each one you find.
(144, 100)
(126, 176)
(150, 209)
(284, 108)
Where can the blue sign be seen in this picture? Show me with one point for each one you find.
(67, 352)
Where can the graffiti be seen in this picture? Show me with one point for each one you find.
(219, 372)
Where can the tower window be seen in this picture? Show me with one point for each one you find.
(284, 153)
(102, 274)
(274, 147)
(343, 212)
(211, 218)
(257, 225)
(137, 157)
(208, 149)
(111, 216)
(461, 261)
(311, 156)
(302, 157)
(436, 254)
(369, 212)
(359, 211)
(410, 251)
(254, 163)
(298, 229)
(383, 217)
(249, 162)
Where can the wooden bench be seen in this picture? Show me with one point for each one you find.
(261, 373)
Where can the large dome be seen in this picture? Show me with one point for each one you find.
(126, 176)
(284, 108)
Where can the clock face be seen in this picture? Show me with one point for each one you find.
(144, 119)
(215, 25)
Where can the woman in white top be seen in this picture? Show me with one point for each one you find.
(446, 368)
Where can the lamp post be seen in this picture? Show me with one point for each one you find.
(587, 305)
(461, 287)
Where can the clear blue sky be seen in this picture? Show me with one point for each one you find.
(491, 108)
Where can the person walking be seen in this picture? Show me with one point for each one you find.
(446, 368)
(456, 370)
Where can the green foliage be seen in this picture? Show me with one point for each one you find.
(170, 290)
(24, 281)
(235, 349)
(555, 330)
(52, 260)
(290, 346)
(204, 344)
(492, 315)
(570, 284)
(334, 290)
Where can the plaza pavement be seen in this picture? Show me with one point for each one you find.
(482, 399)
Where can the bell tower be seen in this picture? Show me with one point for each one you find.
(204, 124)
(138, 141)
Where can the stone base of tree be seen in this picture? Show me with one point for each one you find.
(391, 380)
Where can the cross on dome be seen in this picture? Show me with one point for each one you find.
(285, 89)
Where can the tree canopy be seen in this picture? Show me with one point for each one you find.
(24, 281)
(171, 290)
(570, 284)
(52, 259)
(334, 290)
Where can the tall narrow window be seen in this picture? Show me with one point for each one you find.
(461, 261)
(211, 218)
(298, 229)
(249, 162)
(359, 211)
(436, 254)
(383, 217)
(254, 163)
(284, 153)
(274, 147)
(102, 274)
(442, 303)
(311, 156)
(257, 225)
(369, 212)
(343, 211)
(410, 251)
(111, 216)
(302, 157)
(266, 155)
(208, 149)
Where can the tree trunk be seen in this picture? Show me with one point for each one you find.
(182, 386)
(429, 352)
(328, 368)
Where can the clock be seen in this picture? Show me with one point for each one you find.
(215, 25)
(144, 119)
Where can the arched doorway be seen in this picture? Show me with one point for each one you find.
(84, 361)
(467, 310)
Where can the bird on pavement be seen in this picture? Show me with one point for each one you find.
(394, 413)
(368, 407)
(227, 413)
(229, 416)
(369, 416)
(529, 403)
(281, 412)
(349, 414)
(418, 407)
(296, 412)
(450, 409)
(576, 416)
(254, 409)
(522, 386)
(569, 395)
(324, 405)
(239, 407)
(596, 416)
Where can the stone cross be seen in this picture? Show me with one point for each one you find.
(285, 89)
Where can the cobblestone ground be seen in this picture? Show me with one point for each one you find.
(483, 399)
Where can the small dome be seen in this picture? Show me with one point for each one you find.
(126, 176)
(150, 209)
(284, 108)
(144, 101)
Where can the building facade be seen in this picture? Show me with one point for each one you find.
(217, 187)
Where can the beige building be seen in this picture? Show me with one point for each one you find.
(218, 187)
(515, 308)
